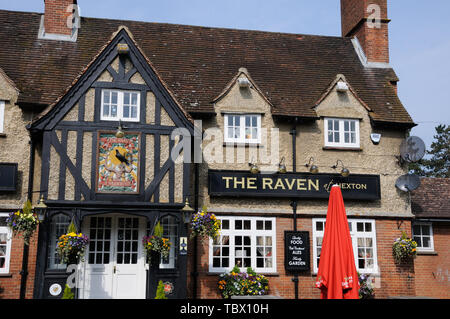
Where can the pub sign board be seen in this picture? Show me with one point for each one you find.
(118, 163)
(8, 177)
(296, 251)
(292, 185)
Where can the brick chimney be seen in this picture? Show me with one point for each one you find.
(368, 21)
(60, 18)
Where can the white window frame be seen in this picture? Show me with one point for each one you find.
(58, 226)
(354, 235)
(253, 233)
(170, 231)
(6, 230)
(2, 116)
(424, 224)
(342, 143)
(242, 128)
(120, 106)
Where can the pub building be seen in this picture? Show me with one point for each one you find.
(88, 114)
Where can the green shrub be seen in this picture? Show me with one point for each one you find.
(68, 294)
(160, 294)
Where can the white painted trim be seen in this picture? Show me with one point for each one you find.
(363, 58)
(5, 229)
(341, 142)
(56, 37)
(242, 127)
(120, 103)
(353, 233)
(430, 225)
(253, 233)
(2, 116)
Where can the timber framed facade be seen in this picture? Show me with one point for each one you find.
(70, 169)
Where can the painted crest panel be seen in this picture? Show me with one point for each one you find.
(118, 163)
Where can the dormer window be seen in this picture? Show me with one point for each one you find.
(120, 105)
(242, 128)
(341, 133)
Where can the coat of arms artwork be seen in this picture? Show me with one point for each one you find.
(118, 163)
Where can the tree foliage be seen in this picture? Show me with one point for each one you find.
(437, 161)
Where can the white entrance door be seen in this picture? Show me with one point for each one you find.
(114, 262)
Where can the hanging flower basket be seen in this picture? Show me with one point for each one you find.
(404, 249)
(205, 224)
(156, 245)
(23, 222)
(71, 247)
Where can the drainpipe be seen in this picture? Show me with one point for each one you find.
(196, 145)
(194, 269)
(24, 272)
(294, 202)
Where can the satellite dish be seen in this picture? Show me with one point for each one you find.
(408, 182)
(412, 149)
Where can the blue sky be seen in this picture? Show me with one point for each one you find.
(419, 36)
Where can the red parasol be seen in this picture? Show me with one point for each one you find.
(337, 277)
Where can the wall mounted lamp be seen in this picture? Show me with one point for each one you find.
(120, 133)
(314, 169)
(41, 209)
(254, 169)
(187, 211)
(345, 171)
(282, 166)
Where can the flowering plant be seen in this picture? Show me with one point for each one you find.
(404, 248)
(24, 221)
(205, 224)
(237, 283)
(156, 243)
(365, 287)
(71, 247)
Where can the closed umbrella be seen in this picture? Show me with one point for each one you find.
(337, 277)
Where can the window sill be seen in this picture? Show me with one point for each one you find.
(270, 274)
(232, 144)
(2, 135)
(336, 148)
(6, 275)
(427, 252)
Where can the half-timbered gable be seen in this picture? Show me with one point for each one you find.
(115, 87)
(110, 158)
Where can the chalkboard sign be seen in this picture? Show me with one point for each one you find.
(296, 251)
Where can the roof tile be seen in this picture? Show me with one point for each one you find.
(197, 63)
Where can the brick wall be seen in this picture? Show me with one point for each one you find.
(433, 270)
(394, 280)
(374, 41)
(11, 282)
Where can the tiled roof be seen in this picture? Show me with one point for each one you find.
(432, 198)
(197, 63)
